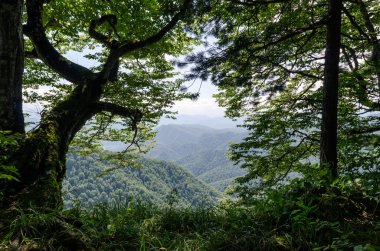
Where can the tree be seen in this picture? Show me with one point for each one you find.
(328, 157)
(11, 65)
(130, 40)
(280, 65)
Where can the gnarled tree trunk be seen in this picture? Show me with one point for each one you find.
(41, 155)
(11, 66)
(41, 158)
(38, 151)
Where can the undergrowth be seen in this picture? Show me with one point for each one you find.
(301, 216)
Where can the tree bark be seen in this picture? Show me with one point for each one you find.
(41, 158)
(329, 126)
(11, 66)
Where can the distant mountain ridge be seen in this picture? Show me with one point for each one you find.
(201, 149)
(213, 122)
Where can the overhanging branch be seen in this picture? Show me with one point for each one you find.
(263, 45)
(46, 52)
(363, 130)
(106, 40)
(134, 114)
(257, 2)
(129, 46)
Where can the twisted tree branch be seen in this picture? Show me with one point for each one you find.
(46, 52)
(134, 114)
(106, 40)
(129, 46)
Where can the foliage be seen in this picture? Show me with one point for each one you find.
(315, 216)
(117, 92)
(301, 216)
(89, 182)
(8, 143)
(268, 64)
(146, 80)
(201, 150)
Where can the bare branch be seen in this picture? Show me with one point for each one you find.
(307, 136)
(355, 24)
(350, 54)
(302, 73)
(373, 35)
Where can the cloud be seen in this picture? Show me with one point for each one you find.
(202, 106)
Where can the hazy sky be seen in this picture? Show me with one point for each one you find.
(205, 105)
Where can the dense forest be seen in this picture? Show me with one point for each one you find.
(89, 181)
(201, 150)
(302, 79)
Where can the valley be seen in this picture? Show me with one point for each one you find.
(188, 164)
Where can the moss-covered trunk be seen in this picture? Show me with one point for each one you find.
(41, 156)
(41, 169)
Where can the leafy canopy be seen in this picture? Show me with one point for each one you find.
(147, 80)
(268, 62)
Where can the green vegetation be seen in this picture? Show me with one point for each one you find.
(129, 85)
(300, 216)
(304, 76)
(158, 182)
(201, 150)
(8, 142)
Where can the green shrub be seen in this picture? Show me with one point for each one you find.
(303, 215)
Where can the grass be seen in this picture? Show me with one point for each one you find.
(313, 222)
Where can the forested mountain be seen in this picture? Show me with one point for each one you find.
(158, 182)
(214, 122)
(303, 77)
(201, 149)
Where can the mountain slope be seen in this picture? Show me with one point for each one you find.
(201, 149)
(214, 122)
(177, 141)
(154, 182)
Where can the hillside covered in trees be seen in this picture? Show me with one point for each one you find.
(200, 149)
(157, 182)
(301, 77)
